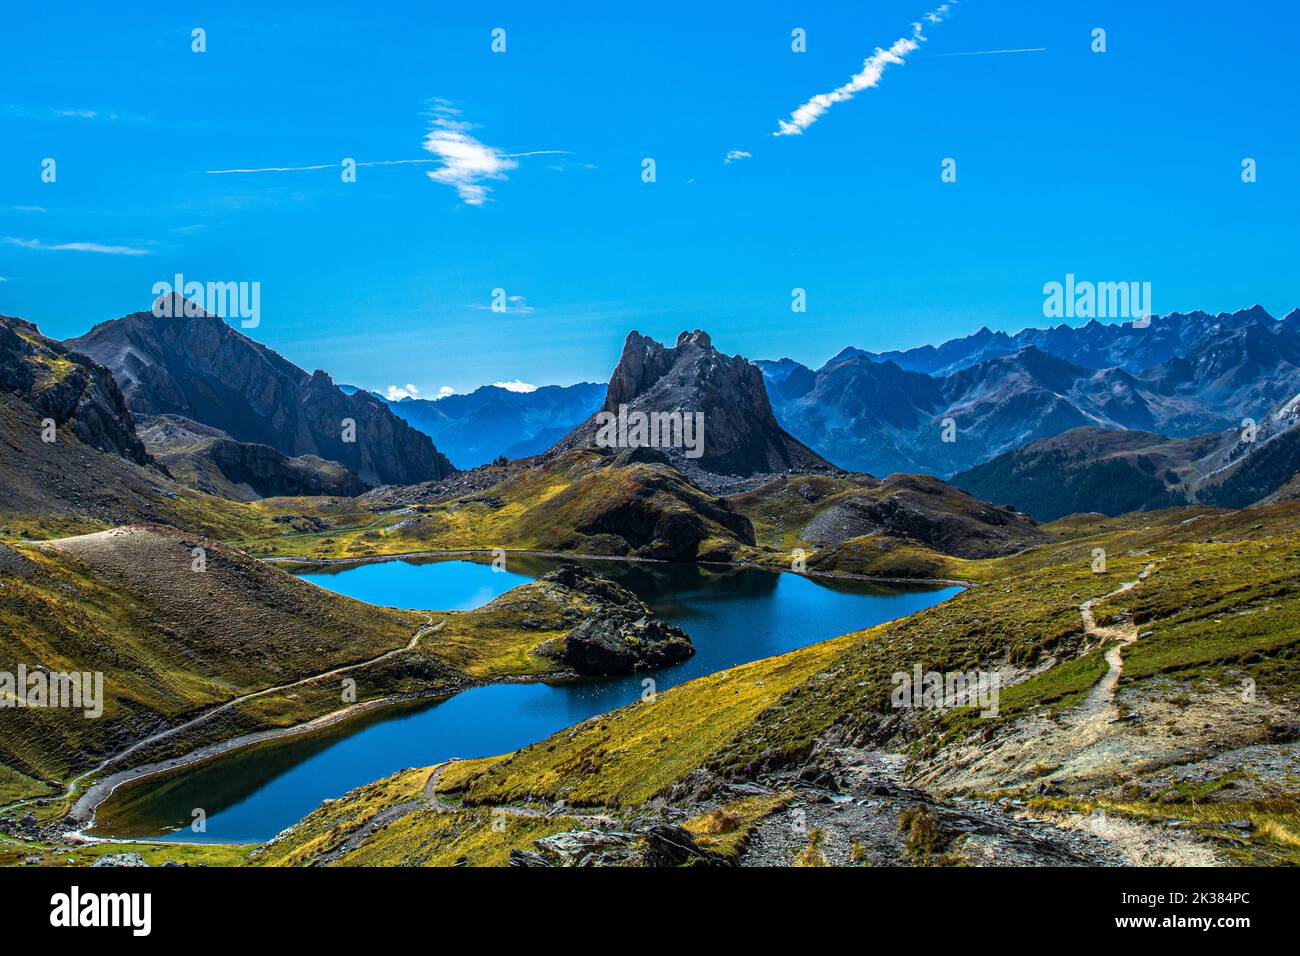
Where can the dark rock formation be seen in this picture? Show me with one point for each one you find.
(69, 388)
(667, 845)
(620, 634)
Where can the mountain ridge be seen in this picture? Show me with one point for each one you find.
(1184, 375)
(198, 367)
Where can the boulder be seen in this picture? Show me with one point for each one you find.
(619, 633)
(613, 646)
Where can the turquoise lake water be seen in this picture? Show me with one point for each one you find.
(733, 615)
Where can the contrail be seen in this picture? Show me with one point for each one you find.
(873, 67)
(298, 169)
(1033, 49)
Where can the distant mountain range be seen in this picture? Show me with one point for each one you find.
(489, 422)
(1115, 472)
(196, 367)
(1108, 418)
(1184, 375)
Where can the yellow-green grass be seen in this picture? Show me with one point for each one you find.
(327, 828)
(168, 641)
(629, 755)
(1273, 840)
(14, 853)
(475, 837)
(559, 507)
(471, 646)
(812, 855)
(413, 834)
(1231, 601)
(1025, 613)
(1056, 689)
(726, 830)
(172, 644)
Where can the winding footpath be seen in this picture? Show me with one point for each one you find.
(1101, 697)
(81, 809)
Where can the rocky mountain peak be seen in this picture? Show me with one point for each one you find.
(698, 337)
(723, 397)
(173, 305)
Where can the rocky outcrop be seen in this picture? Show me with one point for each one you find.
(670, 534)
(738, 437)
(928, 511)
(71, 389)
(198, 367)
(658, 845)
(620, 633)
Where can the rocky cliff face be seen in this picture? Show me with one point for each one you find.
(71, 389)
(200, 368)
(738, 435)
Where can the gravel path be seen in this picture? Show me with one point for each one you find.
(83, 806)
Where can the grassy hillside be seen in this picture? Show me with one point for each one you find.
(173, 643)
(169, 641)
(903, 525)
(581, 502)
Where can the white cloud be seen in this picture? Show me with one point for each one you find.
(48, 112)
(467, 163)
(29, 209)
(464, 162)
(873, 68)
(445, 391)
(515, 386)
(515, 305)
(735, 154)
(77, 247)
(395, 393)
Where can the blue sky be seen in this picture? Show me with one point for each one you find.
(1116, 166)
